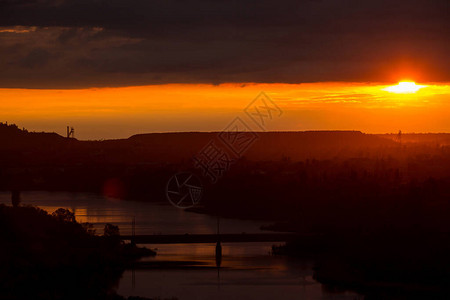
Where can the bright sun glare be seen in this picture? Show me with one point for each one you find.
(404, 87)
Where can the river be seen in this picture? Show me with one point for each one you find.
(187, 272)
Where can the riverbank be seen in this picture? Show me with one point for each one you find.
(244, 265)
(47, 256)
(383, 265)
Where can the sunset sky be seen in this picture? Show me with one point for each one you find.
(115, 68)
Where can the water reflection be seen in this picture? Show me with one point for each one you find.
(188, 271)
(247, 272)
(151, 218)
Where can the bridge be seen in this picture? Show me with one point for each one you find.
(210, 238)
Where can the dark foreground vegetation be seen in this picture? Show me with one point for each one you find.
(375, 207)
(382, 265)
(46, 256)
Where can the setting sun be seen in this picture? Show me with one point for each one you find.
(404, 87)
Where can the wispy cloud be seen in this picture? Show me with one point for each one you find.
(18, 29)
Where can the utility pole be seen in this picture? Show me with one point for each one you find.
(70, 132)
(133, 232)
(218, 245)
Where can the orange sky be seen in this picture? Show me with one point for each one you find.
(100, 113)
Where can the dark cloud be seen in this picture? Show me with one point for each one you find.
(82, 43)
(35, 58)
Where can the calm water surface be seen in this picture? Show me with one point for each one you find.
(248, 271)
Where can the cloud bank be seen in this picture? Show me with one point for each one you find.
(94, 43)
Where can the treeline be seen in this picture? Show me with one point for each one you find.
(313, 181)
(362, 195)
(53, 257)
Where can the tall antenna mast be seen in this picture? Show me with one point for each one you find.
(70, 132)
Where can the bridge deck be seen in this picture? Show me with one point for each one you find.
(210, 238)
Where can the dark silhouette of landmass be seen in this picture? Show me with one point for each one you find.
(376, 206)
(347, 178)
(387, 264)
(46, 256)
(308, 176)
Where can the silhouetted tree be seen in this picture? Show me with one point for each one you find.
(64, 215)
(89, 228)
(111, 230)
